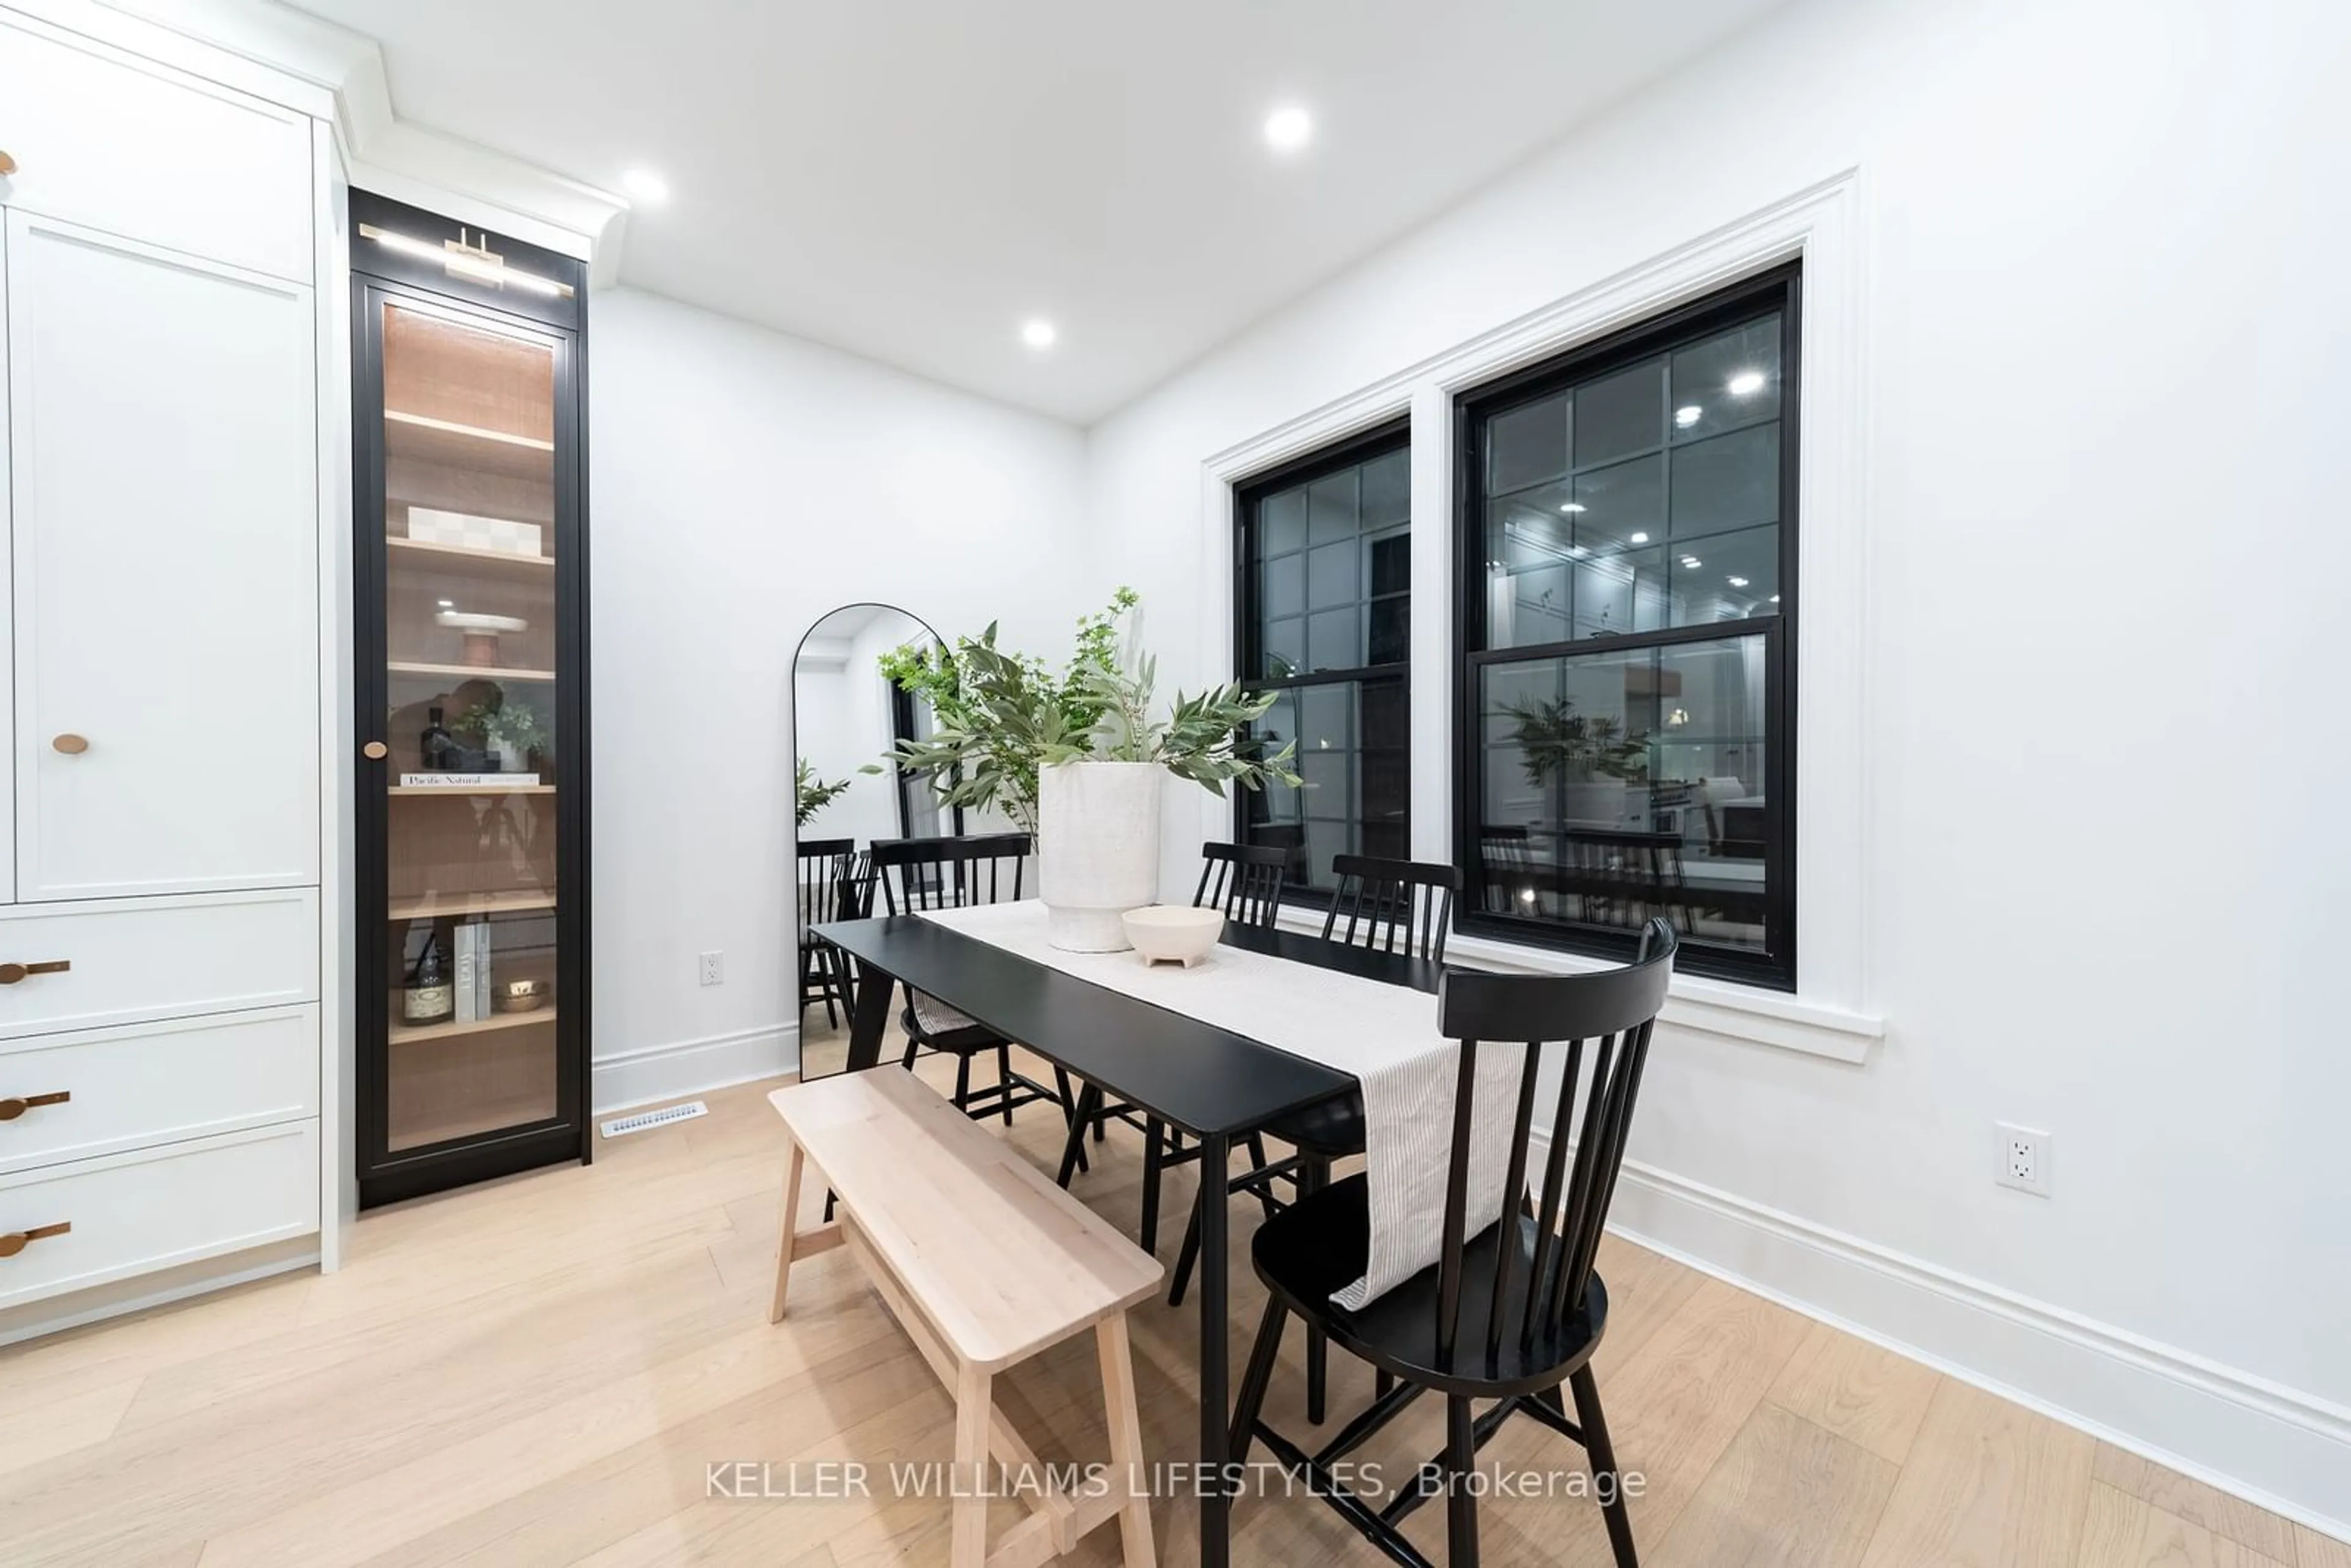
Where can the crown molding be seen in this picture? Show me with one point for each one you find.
(404, 160)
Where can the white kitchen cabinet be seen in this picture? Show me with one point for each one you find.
(105, 140)
(164, 453)
(164, 604)
(94, 1222)
(67, 1097)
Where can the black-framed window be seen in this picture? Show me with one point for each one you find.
(1626, 638)
(1323, 599)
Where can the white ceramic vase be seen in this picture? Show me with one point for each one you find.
(1098, 850)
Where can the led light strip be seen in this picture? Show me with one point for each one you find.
(464, 260)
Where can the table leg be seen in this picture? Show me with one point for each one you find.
(869, 1018)
(1216, 1404)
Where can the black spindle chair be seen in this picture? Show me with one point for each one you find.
(1245, 880)
(823, 877)
(1399, 905)
(1511, 1314)
(920, 875)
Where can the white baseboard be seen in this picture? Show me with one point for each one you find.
(2277, 1448)
(55, 1315)
(652, 1073)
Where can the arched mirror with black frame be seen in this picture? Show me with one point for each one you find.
(846, 717)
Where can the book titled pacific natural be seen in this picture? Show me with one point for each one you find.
(467, 780)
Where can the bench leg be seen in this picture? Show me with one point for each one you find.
(1125, 1438)
(967, 1540)
(791, 1222)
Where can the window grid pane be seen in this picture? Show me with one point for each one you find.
(1627, 505)
(1326, 602)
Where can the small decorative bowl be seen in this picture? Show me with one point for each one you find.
(1173, 934)
(520, 996)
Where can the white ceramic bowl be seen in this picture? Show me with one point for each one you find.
(1172, 933)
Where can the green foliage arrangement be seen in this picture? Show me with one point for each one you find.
(813, 793)
(515, 724)
(999, 716)
(1557, 742)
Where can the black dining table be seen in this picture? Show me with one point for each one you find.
(1211, 1082)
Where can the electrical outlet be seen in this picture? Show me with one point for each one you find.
(714, 968)
(2025, 1157)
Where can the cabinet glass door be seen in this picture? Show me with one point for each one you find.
(470, 642)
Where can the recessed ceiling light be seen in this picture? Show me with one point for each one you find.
(1038, 334)
(447, 603)
(1574, 506)
(1746, 383)
(1640, 538)
(644, 186)
(1738, 582)
(1687, 415)
(1289, 129)
(1691, 563)
(1775, 599)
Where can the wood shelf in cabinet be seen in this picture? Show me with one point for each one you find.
(468, 446)
(467, 671)
(404, 1034)
(431, 553)
(470, 790)
(435, 905)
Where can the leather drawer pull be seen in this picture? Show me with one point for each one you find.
(17, 1106)
(12, 973)
(15, 1241)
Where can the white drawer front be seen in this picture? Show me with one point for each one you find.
(133, 1214)
(154, 1084)
(138, 959)
(141, 151)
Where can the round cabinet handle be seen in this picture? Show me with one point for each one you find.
(375, 751)
(7, 165)
(15, 1241)
(71, 745)
(12, 973)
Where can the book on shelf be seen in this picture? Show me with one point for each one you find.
(467, 780)
(466, 965)
(481, 1009)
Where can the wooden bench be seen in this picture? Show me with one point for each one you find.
(985, 1262)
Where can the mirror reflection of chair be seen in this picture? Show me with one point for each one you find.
(824, 873)
(1510, 867)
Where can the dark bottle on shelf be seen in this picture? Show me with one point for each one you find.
(440, 748)
(428, 998)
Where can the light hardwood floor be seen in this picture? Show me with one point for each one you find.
(542, 1370)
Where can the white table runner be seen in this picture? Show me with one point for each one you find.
(1386, 1036)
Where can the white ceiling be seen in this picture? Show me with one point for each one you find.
(912, 179)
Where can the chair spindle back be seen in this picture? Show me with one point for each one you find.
(1605, 1018)
(1247, 882)
(1401, 906)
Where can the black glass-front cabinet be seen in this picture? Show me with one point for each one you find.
(470, 568)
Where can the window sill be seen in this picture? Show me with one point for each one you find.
(1720, 1008)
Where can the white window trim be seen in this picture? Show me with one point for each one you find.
(1832, 1012)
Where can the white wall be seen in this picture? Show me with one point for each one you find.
(742, 484)
(2103, 333)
